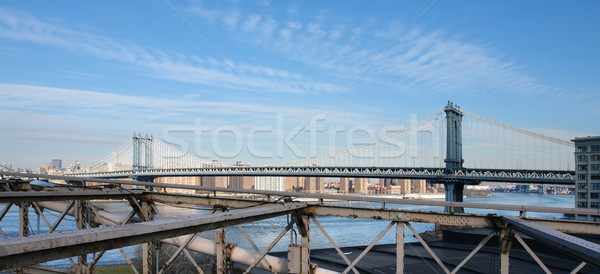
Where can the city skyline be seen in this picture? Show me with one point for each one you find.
(79, 79)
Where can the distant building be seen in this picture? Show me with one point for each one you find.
(344, 186)
(361, 185)
(241, 182)
(270, 183)
(292, 184)
(319, 184)
(394, 189)
(190, 181)
(310, 184)
(56, 164)
(405, 186)
(587, 172)
(212, 181)
(46, 168)
(419, 186)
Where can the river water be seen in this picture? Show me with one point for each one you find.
(344, 231)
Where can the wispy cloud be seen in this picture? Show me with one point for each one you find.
(331, 52)
(21, 26)
(89, 109)
(423, 60)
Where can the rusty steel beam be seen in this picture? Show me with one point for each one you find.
(35, 196)
(220, 202)
(199, 244)
(452, 219)
(443, 218)
(577, 247)
(23, 251)
(568, 226)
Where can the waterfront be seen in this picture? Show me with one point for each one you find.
(344, 231)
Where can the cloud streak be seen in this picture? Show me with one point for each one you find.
(70, 108)
(24, 27)
(423, 60)
(331, 53)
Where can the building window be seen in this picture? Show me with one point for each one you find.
(581, 158)
(581, 204)
(594, 186)
(594, 195)
(581, 148)
(595, 167)
(594, 205)
(595, 147)
(595, 176)
(582, 186)
(595, 157)
(582, 167)
(581, 176)
(581, 195)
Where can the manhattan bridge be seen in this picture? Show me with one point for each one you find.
(450, 146)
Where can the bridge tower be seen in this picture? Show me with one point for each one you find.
(142, 152)
(454, 160)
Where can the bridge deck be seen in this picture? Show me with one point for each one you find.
(468, 175)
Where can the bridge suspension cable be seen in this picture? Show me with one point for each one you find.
(543, 137)
(491, 144)
(393, 148)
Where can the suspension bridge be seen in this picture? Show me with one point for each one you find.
(450, 146)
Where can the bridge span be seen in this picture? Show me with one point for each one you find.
(451, 146)
(99, 230)
(470, 176)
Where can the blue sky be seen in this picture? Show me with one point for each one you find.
(78, 78)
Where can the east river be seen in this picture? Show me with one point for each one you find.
(344, 231)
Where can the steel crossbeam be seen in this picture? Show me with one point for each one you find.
(35, 196)
(40, 248)
(579, 248)
(339, 251)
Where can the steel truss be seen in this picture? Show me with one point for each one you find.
(435, 174)
(99, 231)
